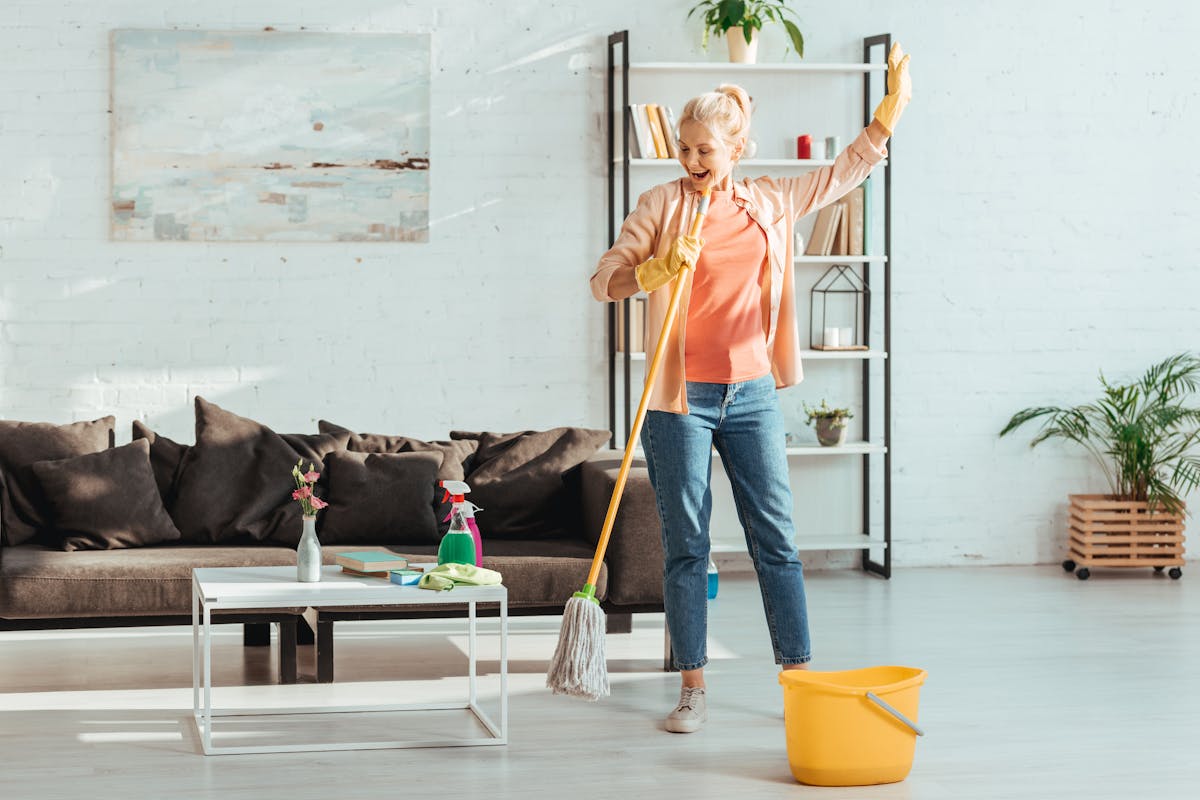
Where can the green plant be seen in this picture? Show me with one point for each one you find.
(749, 15)
(1141, 433)
(823, 411)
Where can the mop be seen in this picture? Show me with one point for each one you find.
(579, 666)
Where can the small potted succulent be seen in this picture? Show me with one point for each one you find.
(829, 422)
(741, 20)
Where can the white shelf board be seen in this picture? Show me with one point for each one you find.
(804, 163)
(816, 355)
(833, 541)
(847, 541)
(801, 450)
(725, 66)
(840, 259)
(797, 163)
(809, 354)
(845, 449)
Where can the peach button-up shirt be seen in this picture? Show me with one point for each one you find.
(665, 212)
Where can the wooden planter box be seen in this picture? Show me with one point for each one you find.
(1106, 532)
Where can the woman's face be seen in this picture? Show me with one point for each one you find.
(707, 159)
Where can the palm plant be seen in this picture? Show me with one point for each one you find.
(1142, 434)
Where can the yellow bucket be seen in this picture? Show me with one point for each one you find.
(851, 728)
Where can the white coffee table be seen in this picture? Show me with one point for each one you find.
(277, 587)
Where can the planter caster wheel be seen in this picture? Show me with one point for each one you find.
(1176, 573)
(1083, 574)
(1069, 565)
(1159, 569)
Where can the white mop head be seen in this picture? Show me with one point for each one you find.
(579, 667)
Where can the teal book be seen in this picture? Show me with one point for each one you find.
(371, 561)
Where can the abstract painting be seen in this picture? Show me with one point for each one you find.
(270, 136)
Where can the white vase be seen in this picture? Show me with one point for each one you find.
(308, 553)
(739, 51)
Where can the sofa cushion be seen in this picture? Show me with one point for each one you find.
(236, 482)
(166, 456)
(106, 500)
(384, 498)
(37, 582)
(456, 455)
(527, 482)
(23, 509)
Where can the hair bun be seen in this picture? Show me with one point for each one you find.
(738, 95)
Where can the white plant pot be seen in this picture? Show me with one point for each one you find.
(739, 51)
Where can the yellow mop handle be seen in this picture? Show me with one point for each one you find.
(652, 373)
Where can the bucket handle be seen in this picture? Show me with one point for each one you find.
(874, 698)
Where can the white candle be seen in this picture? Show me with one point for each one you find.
(846, 337)
(831, 338)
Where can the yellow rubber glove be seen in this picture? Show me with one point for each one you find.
(899, 90)
(658, 272)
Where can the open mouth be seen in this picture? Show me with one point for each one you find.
(699, 176)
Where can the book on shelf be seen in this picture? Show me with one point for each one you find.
(854, 203)
(664, 119)
(640, 140)
(370, 561)
(820, 243)
(635, 146)
(841, 239)
(866, 216)
(637, 325)
(660, 140)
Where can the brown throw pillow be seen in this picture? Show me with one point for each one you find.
(456, 455)
(23, 509)
(380, 498)
(236, 481)
(527, 482)
(106, 500)
(165, 459)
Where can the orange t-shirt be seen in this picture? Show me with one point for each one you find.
(725, 342)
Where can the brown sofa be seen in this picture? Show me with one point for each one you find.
(98, 536)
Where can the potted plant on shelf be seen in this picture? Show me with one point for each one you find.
(1144, 437)
(740, 21)
(829, 422)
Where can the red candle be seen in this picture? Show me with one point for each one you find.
(804, 146)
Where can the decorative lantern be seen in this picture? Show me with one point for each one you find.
(841, 302)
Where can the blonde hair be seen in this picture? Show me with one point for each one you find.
(724, 111)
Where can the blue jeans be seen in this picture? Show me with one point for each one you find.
(745, 424)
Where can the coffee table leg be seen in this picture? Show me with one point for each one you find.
(208, 715)
(471, 653)
(287, 651)
(195, 649)
(504, 670)
(324, 650)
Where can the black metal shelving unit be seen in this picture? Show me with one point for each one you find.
(875, 50)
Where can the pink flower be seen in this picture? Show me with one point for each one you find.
(318, 503)
(311, 477)
(301, 493)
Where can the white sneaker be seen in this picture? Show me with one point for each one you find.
(691, 713)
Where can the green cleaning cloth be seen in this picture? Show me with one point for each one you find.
(445, 577)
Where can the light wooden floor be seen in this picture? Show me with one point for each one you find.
(1040, 686)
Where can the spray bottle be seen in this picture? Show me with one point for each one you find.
(456, 493)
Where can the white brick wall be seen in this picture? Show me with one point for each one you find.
(1044, 229)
